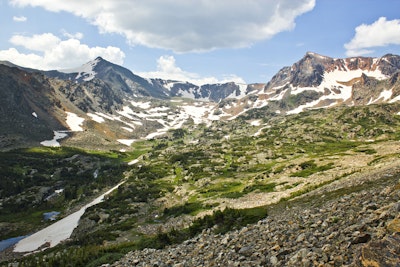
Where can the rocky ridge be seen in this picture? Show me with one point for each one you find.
(310, 70)
(347, 223)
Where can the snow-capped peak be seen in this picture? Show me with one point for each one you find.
(86, 71)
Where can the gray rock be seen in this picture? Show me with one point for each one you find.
(247, 251)
(273, 260)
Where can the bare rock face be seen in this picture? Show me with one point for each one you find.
(385, 252)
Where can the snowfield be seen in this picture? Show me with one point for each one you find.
(58, 231)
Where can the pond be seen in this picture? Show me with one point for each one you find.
(4, 244)
(50, 216)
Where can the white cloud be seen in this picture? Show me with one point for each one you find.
(168, 70)
(50, 52)
(20, 19)
(382, 32)
(185, 26)
(77, 35)
(37, 42)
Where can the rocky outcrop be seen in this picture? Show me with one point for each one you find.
(385, 252)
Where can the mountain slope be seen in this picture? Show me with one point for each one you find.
(29, 108)
(115, 106)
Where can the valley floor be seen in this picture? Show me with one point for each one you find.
(350, 222)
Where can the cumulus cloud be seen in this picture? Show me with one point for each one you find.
(382, 32)
(37, 42)
(20, 19)
(48, 51)
(185, 26)
(77, 35)
(168, 70)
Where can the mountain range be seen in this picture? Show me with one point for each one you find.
(301, 170)
(101, 104)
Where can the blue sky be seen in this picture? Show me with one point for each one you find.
(202, 41)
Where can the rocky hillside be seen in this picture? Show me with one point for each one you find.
(354, 222)
(29, 108)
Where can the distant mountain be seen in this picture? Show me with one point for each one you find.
(114, 106)
(122, 80)
(313, 69)
(319, 81)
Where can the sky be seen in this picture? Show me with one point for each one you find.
(200, 41)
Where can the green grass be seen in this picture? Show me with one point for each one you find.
(366, 150)
(261, 187)
(309, 167)
(219, 188)
(191, 208)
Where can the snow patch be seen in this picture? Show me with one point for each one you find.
(105, 116)
(256, 123)
(280, 96)
(126, 112)
(142, 105)
(54, 142)
(397, 98)
(259, 132)
(298, 90)
(127, 129)
(386, 94)
(96, 117)
(86, 71)
(127, 142)
(242, 91)
(332, 78)
(302, 107)
(133, 162)
(152, 135)
(74, 122)
(169, 86)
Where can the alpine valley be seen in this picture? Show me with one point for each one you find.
(302, 170)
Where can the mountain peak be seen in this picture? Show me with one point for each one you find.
(316, 55)
(86, 71)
